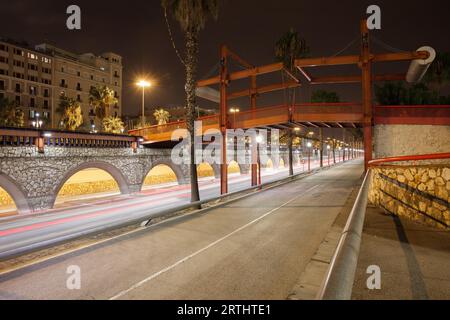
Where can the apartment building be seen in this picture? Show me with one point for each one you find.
(26, 77)
(37, 77)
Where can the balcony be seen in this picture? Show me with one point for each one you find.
(63, 85)
(79, 89)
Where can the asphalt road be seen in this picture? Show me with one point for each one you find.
(254, 248)
(79, 216)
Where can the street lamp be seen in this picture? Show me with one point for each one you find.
(309, 145)
(37, 123)
(234, 111)
(143, 84)
(328, 153)
(259, 139)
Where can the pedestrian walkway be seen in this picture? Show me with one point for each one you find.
(414, 259)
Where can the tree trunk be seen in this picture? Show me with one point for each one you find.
(191, 84)
(334, 154)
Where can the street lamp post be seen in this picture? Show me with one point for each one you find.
(328, 153)
(38, 123)
(143, 84)
(309, 155)
(259, 139)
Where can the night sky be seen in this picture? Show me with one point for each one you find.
(137, 31)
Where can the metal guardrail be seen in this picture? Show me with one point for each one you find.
(338, 283)
(433, 156)
(43, 137)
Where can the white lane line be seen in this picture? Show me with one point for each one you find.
(157, 274)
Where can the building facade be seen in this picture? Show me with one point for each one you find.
(36, 77)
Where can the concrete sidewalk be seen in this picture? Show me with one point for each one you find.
(414, 259)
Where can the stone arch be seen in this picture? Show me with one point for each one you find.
(175, 168)
(16, 192)
(109, 168)
(214, 167)
(234, 164)
(269, 164)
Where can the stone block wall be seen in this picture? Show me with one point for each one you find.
(418, 192)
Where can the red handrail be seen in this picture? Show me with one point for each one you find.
(430, 106)
(411, 158)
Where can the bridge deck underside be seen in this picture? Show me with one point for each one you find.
(337, 115)
(279, 117)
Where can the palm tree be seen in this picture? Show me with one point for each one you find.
(288, 48)
(71, 114)
(101, 98)
(162, 116)
(113, 125)
(73, 117)
(10, 114)
(192, 16)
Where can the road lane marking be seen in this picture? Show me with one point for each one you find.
(157, 274)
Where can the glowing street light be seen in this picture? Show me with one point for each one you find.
(234, 111)
(143, 84)
(259, 139)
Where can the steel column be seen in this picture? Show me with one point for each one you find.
(223, 119)
(254, 167)
(366, 67)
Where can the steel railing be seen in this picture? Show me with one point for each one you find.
(338, 282)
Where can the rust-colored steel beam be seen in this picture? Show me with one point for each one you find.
(335, 79)
(269, 68)
(290, 74)
(366, 68)
(208, 82)
(305, 73)
(312, 124)
(399, 56)
(274, 67)
(327, 61)
(254, 166)
(356, 78)
(223, 121)
(261, 90)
